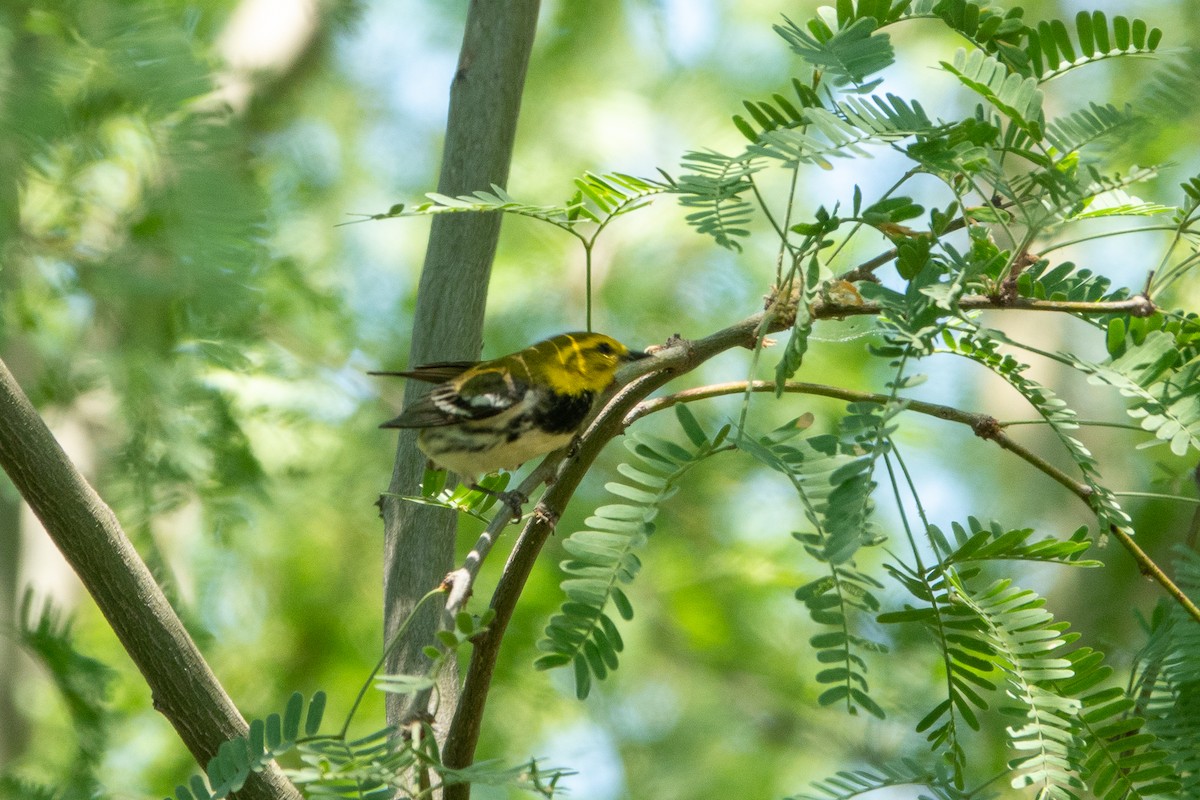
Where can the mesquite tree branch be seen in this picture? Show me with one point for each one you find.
(1137, 306)
(462, 579)
(86, 531)
(628, 405)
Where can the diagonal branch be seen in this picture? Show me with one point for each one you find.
(1137, 306)
(669, 363)
(983, 425)
(86, 531)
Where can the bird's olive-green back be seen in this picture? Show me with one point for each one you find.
(570, 363)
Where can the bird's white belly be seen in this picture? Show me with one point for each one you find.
(453, 448)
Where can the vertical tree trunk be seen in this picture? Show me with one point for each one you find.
(13, 732)
(485, 99)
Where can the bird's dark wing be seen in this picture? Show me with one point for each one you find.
(480, 396)
(424, 413)
(437, 372)
(421, 414)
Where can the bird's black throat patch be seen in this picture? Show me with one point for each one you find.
(562, 413)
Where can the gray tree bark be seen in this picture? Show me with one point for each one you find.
(14, 733)
(485, 99)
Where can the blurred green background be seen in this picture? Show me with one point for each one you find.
(178, 298)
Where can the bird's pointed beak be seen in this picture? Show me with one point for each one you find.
(630, 370)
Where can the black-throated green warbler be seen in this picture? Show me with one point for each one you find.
(485, 416)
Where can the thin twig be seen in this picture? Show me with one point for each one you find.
(462, 580)
(983, 425)
(1138, 306)
(1150, 569)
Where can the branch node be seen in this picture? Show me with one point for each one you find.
(987, 427)
(781, 306)
(413, 726)
(1007, 294)
(1143, 306)
(543, 515)
(674, 340)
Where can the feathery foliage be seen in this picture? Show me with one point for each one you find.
(1025, 645)
(1170, 92)
(1014, 95)
(372, 767)
(1167, 685)
(1079, 129)
(1119, 757)
(1160, 372)
(848, 55)
(833, 478)
(988, 637)
(1052, 51)
(1066, 282)
(847, 784)
(1062, 420)
(714, 184)
(977, 542)
(1070, 732)
(82, 682)
(268, 739)
(475, 502)
(604, 557)
(598, 199)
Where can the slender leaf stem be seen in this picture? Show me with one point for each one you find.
(1102, 235)
(587, 261)
(1160, 496)
(984, 426)
(391, 644)
(1083, 423)
(780, 231)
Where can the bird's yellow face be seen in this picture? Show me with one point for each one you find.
(588, 361)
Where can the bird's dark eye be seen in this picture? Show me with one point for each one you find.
(604, 348)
